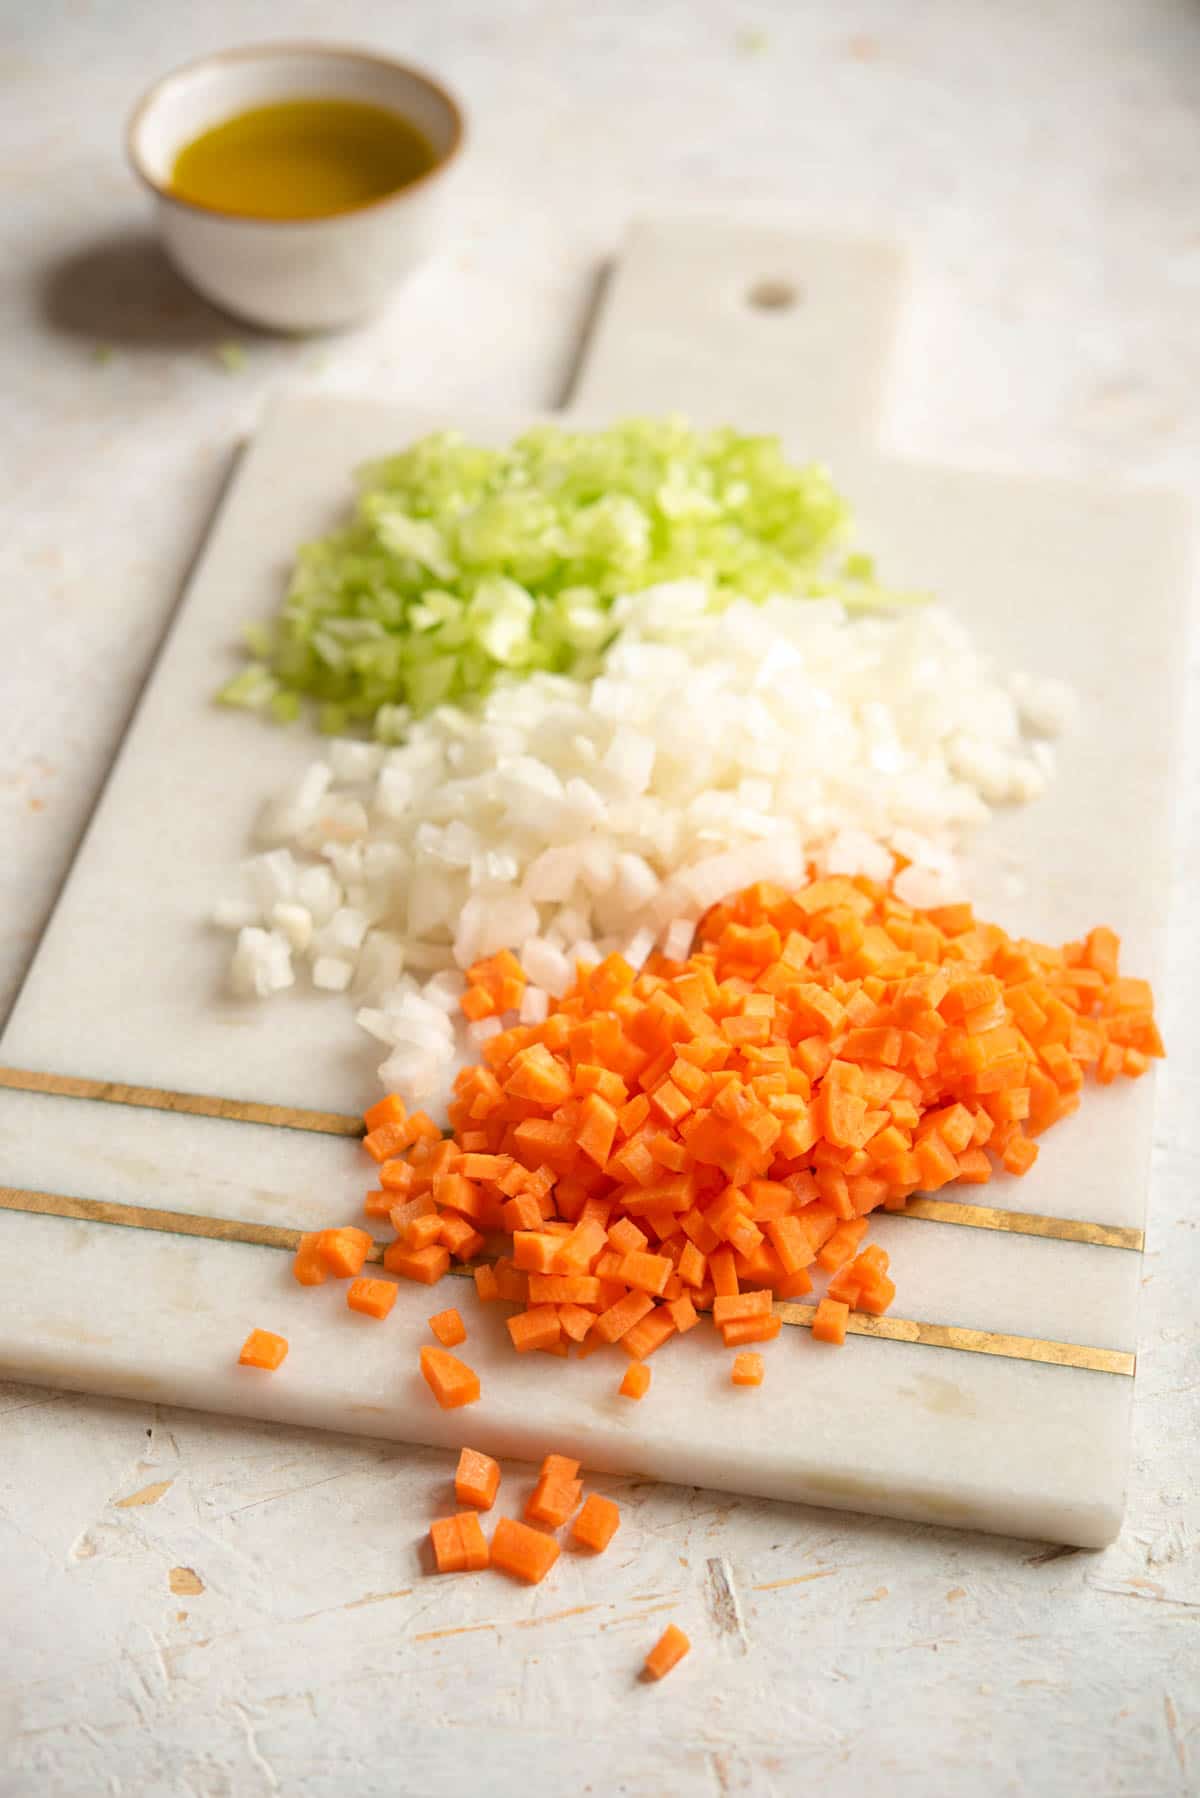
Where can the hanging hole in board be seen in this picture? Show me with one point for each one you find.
(773, 295)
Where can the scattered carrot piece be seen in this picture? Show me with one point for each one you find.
(310, 1267)
(667, 1652)
(459, 1544)
(448, 1327)
(344, 1251)
(636, 1382)
(523, 1553)
(829, 1324)
(596, 1524)
(476, 1479)
(374, 1298)
(450, 1380)
(747, 1369)
(262, 1348)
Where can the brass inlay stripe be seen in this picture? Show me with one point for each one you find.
(273, 1236)
(147, 1217)
(1022, 1223)
(154, 1098)
(336, 1123)
(972, 1342)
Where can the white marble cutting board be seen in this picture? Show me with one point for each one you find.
(127, 983)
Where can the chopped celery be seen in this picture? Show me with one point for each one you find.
(462, 563)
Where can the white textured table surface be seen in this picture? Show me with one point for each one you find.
(202, 1606)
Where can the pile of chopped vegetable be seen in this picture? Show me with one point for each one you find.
(707, 1133)
(565, 820)
(464, 562)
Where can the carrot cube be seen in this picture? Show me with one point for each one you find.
(537, 1328)
(310, 1267)
(459, 1544)
(448, 1327)
(391, 1110)
(636, 1383)
(596, 1524)
(387, 1140)
(374, 1298)
(450, 1380)
(523, 1553)
(667, 1652)
(344, 1251)
(262, 1348)
(747, 1370)
(426, 1266)
(683, 1313)
(476, 1479)
(829, 1324)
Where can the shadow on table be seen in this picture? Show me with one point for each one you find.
(123, 291)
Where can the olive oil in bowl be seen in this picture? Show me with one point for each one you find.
(301, 159)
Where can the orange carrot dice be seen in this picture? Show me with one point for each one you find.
(636, 1383)
(667, 1652)
(391, 1110)
(448, 1327)
(747, 1370)
(596, 1524)
(829, 1324)
(459, 1544)
(374, 1298)
(344, 1251)
(523, 1553)
(426, 1266)
(310, 1267)
(263, 1349)
(450, 1380)
(476, 1479)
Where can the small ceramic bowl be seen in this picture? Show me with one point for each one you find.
(293, 274)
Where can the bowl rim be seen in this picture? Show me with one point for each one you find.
(264, 53)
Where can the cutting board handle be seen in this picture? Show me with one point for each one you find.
(770, 329)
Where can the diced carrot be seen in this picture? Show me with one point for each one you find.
(343, 1251)
(710, 1127)
(747, 1369)
(649, 1333)
(457, 1235)
(476, 1479)
(620, 1317)
(487, 1289)
(310, 1266)
(597, 1522)
(829, 1324)
(459, 1544)
(553, 1499)
(448, 1327)
(537, 1328)
(262, 1348)
(741, 1304)
(625, 1237)
(645, 1273)
(683, 1313)
(751, 1329)
(636, 1380)
(374, 1298)
(387, 1140)
(426, 1266)
(523, 1553)
(450, 1380)
(667, 1652)
(421, 1232)
(391, 1110)
(1020, 1155)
